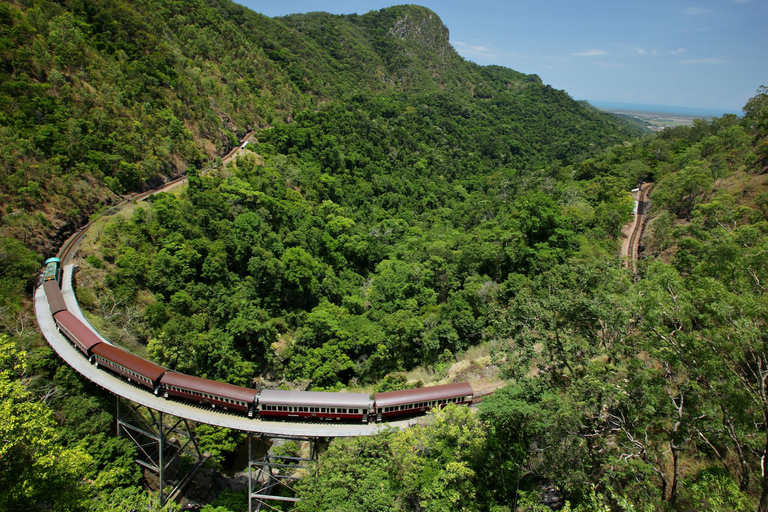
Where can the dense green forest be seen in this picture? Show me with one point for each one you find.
(397, 209)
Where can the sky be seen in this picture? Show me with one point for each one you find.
(699, 53)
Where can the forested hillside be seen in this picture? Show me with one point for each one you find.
(104, 97)
(397, 209)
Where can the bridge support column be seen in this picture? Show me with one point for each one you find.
(269, 473)
(161, 440)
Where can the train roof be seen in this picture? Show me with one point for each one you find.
(84, 335)
(209, 386)
(54, 296)
(50, 260)
(130, 361)
(314, 398)
(408, 396)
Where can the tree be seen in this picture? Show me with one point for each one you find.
(36, 471)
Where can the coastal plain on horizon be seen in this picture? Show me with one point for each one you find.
(659, 117)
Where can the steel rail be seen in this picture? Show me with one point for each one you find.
(198, 413)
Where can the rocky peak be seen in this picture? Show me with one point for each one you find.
(421, 25)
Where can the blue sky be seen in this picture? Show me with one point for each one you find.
(697, 53)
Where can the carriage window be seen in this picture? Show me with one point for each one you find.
(322, 409)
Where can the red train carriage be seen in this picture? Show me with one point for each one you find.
(54, 296)
(76, 331)
(221, 394)
(128, 365)
(314, 405)
(414, 401)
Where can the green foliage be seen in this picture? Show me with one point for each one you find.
(35, 470)
(714, 490)
(396, 382)
(131, 499)
(434, 467)
(217, 442)
(228, 501)
(18, 267)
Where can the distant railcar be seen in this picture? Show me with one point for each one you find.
(216, 394)
(413, 401)
(316, 405)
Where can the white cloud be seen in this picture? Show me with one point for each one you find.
(641, 51)
(472, 48)
(590, 53)
(677, 52)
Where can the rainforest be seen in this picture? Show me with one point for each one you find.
(399, 217)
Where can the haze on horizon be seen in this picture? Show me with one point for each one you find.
(699, 53)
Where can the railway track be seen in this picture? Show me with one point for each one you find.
(633, 246)
(194, 412)
(70, 246)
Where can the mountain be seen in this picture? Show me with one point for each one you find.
(105, 97)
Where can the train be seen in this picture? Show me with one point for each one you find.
(265, 403)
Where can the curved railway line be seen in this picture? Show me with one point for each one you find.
(199, 413)
(631, 246)
(185, 410)
(189, 411)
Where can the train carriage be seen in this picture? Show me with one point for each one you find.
(128, 365)
(318, 405)
(76, 332)
(413, 401)
(55, 298)
(221, 394)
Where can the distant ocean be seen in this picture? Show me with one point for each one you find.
(666, 109)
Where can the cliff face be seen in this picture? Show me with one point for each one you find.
(423, 27)
(425, 39)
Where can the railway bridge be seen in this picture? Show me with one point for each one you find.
(151, 421)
